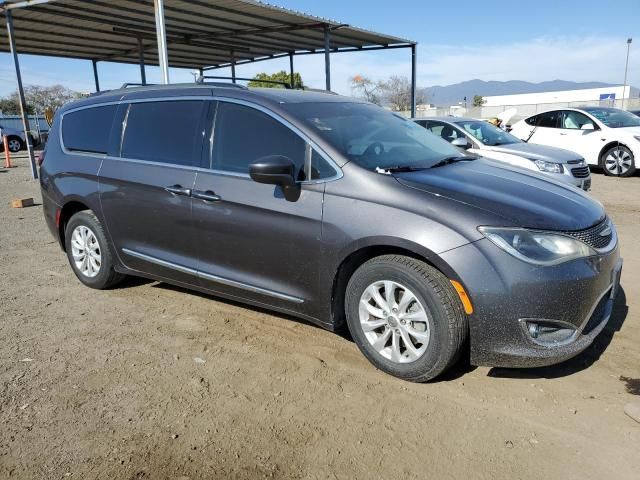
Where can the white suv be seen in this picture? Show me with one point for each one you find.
(606, 137)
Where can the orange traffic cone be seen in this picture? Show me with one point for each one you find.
(7, 153)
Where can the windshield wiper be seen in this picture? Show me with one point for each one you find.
(400, 169)
(452, 159)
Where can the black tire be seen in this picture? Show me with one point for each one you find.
(446, 317)
(106, 277)
(15, 144)
(619, 150)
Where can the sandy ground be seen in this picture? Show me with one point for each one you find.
(151, 381)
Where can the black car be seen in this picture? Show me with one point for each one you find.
(336, 211)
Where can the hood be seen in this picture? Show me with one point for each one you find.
(520, 197)
(631, 130)
(536, 152)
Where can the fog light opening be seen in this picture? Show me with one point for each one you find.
(549, 332)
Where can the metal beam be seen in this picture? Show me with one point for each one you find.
(327, 58)
(414, 49)
(317, 52)
(23, 103)
(94, 63)
(161, 33)
(143, 73)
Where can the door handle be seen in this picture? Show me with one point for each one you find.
(207, 196)
(178, 190)
(561, 133)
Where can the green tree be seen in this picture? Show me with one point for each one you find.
(478, 100)
(281, 76)
(9, 106)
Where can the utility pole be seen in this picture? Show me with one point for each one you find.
(626, 69)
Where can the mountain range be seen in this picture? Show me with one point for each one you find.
(452, 94)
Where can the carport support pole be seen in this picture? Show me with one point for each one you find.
(161, 34)
(94, 64)
(23, 103)
(233, 67)
(414, 49)
(291, 69)
(143, 74)
(327, 59)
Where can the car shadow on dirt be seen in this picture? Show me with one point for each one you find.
(238, 304)
(580, 362)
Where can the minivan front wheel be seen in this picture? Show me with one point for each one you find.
(88, 251)
(14, 144)
(405, 317)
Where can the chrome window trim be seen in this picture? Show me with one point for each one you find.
(214, 278)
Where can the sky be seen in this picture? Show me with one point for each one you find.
(578, 40)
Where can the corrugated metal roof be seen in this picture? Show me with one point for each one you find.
(199, 32)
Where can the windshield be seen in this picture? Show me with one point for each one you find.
(614, 117)
(488, 134)
(373, 137)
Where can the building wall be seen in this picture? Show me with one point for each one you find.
(583, 95)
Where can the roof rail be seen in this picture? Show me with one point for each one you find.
(130, 84)
(203, 78)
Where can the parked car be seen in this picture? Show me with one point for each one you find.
(272, 198)
(492, 142)
(16, 138)
(606, 137)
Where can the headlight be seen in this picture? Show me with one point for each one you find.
(539, 248)
(549, 167)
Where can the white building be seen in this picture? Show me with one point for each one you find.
(609, 94)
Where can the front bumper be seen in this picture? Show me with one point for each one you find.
(506, 293)
(583, 183)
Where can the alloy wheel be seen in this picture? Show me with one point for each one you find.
(394, 321)
(14, 145)
(618, 161)
(85, 250)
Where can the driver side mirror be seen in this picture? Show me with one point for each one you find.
(273, 170)
(461, 142)
(588, 126)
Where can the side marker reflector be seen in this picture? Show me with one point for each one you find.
(464, 298)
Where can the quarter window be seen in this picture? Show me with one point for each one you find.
(548, 120)
(166, 132)
(244, 134)
(88, 130)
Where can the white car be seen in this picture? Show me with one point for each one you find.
(483, 138)
(606, 137)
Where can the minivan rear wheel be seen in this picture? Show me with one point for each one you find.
(405, 317)
(88, 251)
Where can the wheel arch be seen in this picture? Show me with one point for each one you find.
(68, 210)
(371, 249)
(606, 148)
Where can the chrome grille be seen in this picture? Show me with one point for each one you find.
(592, 236)
(580, 172)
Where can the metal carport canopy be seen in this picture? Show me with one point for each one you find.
(196, 34)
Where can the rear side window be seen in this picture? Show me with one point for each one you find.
(166, 132)
(244, 134)
(548, 120)
(88, 130)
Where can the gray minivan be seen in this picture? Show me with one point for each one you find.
(336, 211)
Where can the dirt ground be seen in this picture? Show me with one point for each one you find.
(151, 381)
